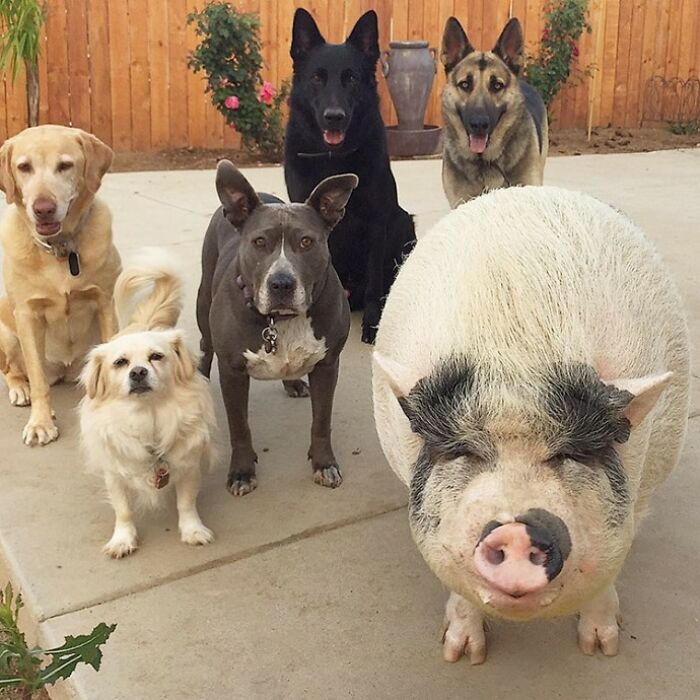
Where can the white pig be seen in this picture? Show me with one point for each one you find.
(531, 389)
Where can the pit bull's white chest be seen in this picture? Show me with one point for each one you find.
(298, 351)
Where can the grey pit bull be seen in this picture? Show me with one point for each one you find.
(271, 306)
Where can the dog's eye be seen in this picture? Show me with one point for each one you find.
(306, 242)
(121, 362)
(467, 84)
(155, 356)
(349, 78)
(64, 165)
(24, 167)
(497, 85)
(260, 242)
(318, 78)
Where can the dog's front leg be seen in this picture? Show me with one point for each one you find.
(123, 541)
(375, 283)
(31, 330)
(106, 318)
(192, 529)
(322, 381)
(235, 384)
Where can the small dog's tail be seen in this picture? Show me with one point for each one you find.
(149, 293)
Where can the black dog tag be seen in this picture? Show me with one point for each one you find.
(74, 263)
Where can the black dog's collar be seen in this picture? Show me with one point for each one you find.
(327, 154)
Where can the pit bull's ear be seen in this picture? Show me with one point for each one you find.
(331, 195)
(305, 35)
(93, 376)
(455, 44)
(365, 36)
(98, 159)
(7, 179)
(235, 192)
(185, 360)
(510, 45)
(645, 392)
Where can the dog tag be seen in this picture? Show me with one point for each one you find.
(74, 263)
(161, 475)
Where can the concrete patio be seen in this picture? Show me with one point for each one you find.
(311, 593)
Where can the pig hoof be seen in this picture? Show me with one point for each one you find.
(598, 625)
(241, 484)
(296, 389)
(329, 476)
(463, 632)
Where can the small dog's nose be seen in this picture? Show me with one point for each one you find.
(282, 283)
(333, 115)
(137, 374)
(44, 208)
(479, 124)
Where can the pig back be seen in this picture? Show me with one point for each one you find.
(526, 277)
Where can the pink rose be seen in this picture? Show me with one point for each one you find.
(232, 102)
(267, 92)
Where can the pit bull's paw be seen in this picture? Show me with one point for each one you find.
(121, 545)
(197, 533)
(19, 393)
(39, 432)
(463, 631)
(296, 389)
(241, 484)
(329, 476)
(598, 624)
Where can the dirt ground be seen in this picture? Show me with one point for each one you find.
(17, 695)
(561, 142)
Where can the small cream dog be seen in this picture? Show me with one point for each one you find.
(147, 417)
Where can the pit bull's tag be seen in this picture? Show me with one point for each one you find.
(161, 474)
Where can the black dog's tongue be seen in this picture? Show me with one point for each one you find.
(333, 138)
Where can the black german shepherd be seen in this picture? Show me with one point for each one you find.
(335, 127)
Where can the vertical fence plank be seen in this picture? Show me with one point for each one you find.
(196, 118)
(100, 79)
(158, 65)
(138, 70)
(16, 96)
(78, 68)
(624, 39)
(43, 80)
(120, 85)
(3, 112)
(177, 69)
(612, 16)
(631, 117)
(57, 56)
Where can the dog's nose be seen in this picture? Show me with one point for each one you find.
(333, 115)
(44, 208)
(138, 374)
(282, 283)
(479, 124)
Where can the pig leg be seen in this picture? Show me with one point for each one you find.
(598, 624)
(463, 631)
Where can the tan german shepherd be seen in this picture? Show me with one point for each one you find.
(495, 123)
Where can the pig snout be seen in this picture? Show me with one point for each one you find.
(520, 558)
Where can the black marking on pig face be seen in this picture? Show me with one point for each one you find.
(549, 533)
(587, 420)
(444, 409)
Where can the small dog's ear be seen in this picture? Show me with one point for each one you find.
(455, 44)
(365, 36)
(305, 35)
(98, 159)
(331, 195)
(185, 360)
(93, 375)
(235, 192)
(7, 179)
(510, 45)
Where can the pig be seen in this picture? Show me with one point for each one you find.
(530, 386)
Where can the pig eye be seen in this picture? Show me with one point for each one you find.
(121, 362)
(496, 84)
(260, 242)
(155, 356)
(306, 242)
(24, 167)
(64, 165)
(467, 84)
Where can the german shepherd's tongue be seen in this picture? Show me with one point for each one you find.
(477, 144)
(333, 138)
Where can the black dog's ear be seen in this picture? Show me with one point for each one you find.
(305, 35)
(510, 45)
(365, 36)
(331, 195)
(235, 192)
(455, 44)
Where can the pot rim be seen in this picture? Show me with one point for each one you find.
(408, 44)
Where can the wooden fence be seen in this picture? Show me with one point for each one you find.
(118, 68)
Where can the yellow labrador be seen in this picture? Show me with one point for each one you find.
(60, 265)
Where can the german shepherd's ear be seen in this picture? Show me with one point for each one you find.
(331, 195)
(235, 192)
(455, 44)
(305, 35)
(7, 179)
(510, 45)
(365, 36)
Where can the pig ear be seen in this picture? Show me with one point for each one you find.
(235, 192)
(401, 379)
(455, 44)
(331, 195)
(645, 393)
